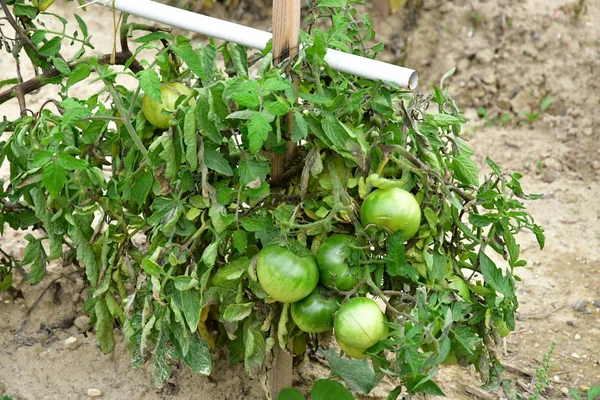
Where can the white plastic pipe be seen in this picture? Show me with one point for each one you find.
(257, 39)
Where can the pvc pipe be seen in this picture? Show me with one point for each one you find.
(257, 39)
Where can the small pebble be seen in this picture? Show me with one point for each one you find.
(574, 355)
(72, 343)
(564, 390)
(577, 336)
(556, 378)
(94, 393)
(596, 302)
(82, 323)
(579, 305)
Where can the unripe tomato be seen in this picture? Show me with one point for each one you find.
(353, 352)
(394, 209)
(285, 276)
(501, 328)
(359, 323)
(332, 259)
(169, 93)
(314, 313)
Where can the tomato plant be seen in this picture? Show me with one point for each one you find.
(379, 198)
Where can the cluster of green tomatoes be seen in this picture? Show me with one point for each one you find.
(312, 284)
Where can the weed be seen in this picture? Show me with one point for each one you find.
(541, 374)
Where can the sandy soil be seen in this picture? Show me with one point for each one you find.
(509, 55)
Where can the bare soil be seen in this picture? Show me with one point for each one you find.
(510, 55)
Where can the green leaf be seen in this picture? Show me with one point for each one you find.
(141, 187)
(184, 50)
(162, 368)
(300, 127)
(237, 312)
(25, 10)
(70, 163)
(326, 389)
(276, 108)
(54, 178)
(511, 245)
(482, 220)
(493, 276)
(242, 114)
(198, 356)
(190, 139)
(51, 47)
(153, 37)
(240, 241)
(467, 338)
(82, 25)
(395, 260)
(276, 84)
(81, 72)
(191, 305)
(151, 267)
(246, 99)
(104, 327)
(464, 168)
(183, 283)
(42, 158)
(332, 3)
(254, 354)
(249, 170)
(209, 256)
(74, 115)
(61, 65)
(35, 255)
(205, 116)
(258, 132)
(291, 394)
(214, 160)
(423, 384)
(150, 83)
(357, 374)
(397, 391)
(85, 254)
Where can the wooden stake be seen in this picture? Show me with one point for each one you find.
(286, 35)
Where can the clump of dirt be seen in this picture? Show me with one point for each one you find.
(510, 56)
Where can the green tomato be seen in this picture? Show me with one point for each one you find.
(285, 276)
(394, 209)
(352, 352)
(314, 313)
(459, 286)
(169, 93)
(359, 323)
(501, 328)
(333, 268)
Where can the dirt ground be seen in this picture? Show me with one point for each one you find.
(510, 56)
